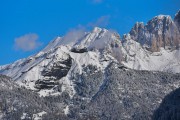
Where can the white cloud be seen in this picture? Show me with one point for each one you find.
(73, 35)
(103, 21)
(27, 42)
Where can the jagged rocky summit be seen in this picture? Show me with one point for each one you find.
(159, 32)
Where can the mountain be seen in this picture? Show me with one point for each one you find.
(159, 32)
(154, 46)
(139, 58)
(58, 64)
(96, 75)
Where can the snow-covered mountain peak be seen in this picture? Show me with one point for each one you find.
(80, 38)
(97, 29)
(160, 31)
(139, 24)
(53, 44)
(98, 38)
(58, 63)
(160, 22)
(161, 17)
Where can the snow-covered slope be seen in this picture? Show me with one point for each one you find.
(58, 63)
(138, 57)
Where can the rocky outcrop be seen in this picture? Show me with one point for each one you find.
(59, 69)
(159, 32)
(79, 50)
(54, 73)
(177, 19)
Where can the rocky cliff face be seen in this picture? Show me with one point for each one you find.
(177, 19)
(159, 32)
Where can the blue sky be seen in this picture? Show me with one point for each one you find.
(26, 26)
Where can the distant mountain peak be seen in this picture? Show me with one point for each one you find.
(160, 31)
(160, 17)
(97, 29)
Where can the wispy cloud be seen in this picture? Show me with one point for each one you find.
(73, 35)
(27, 42)
(103, 21)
